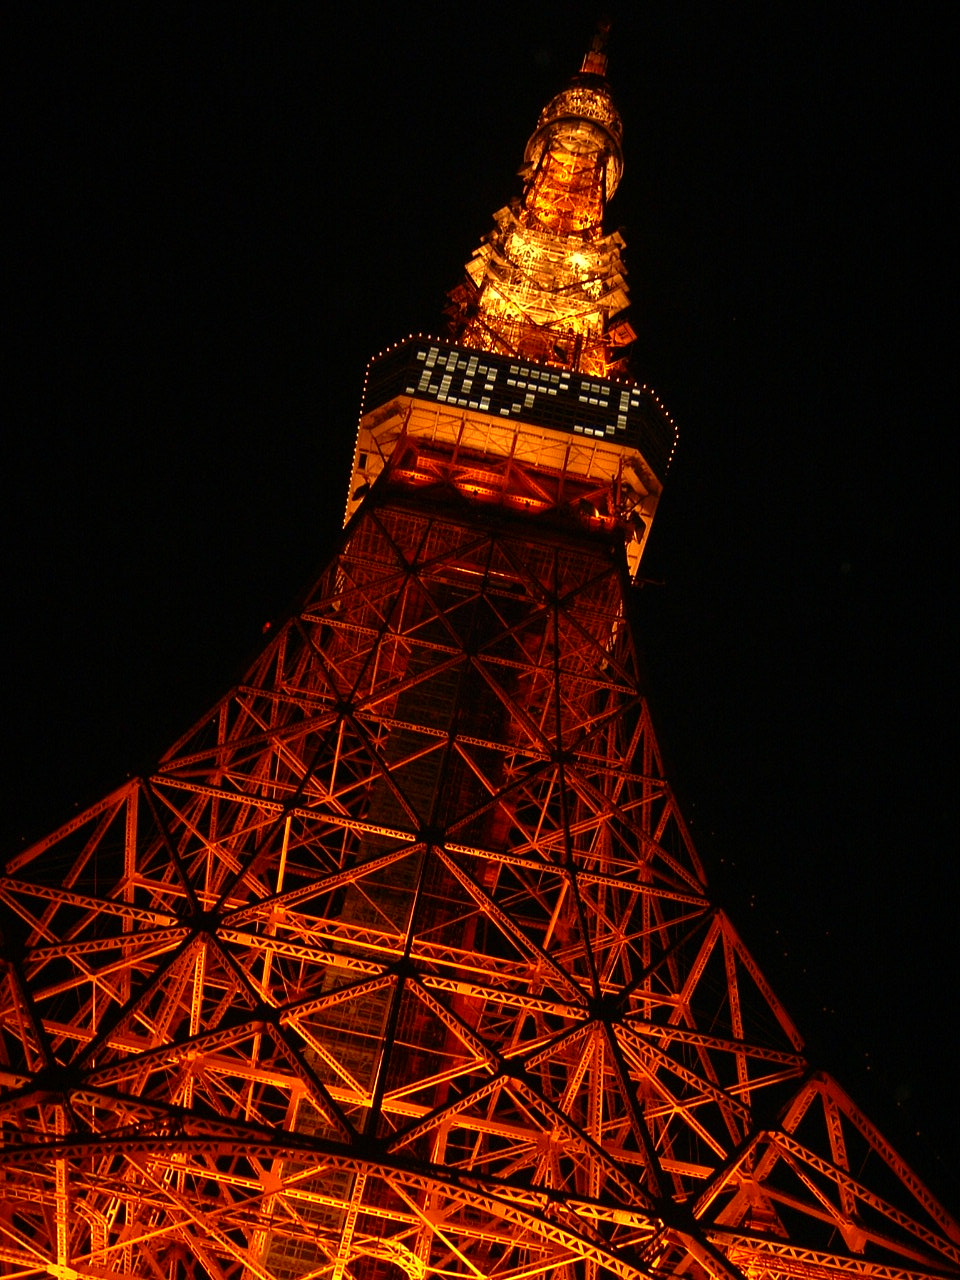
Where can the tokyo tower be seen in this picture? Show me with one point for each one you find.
(401, 962)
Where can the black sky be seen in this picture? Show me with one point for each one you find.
(224, 211)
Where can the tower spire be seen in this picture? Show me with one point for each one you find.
(547, 284)
(595, 59)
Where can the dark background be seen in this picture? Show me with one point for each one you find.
(224, 211)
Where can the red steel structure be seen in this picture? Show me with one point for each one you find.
(402, 963)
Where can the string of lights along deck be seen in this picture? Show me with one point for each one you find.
(401, 963)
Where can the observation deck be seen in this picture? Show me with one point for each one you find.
(586, 438)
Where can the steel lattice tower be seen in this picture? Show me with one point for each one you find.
(402, 962)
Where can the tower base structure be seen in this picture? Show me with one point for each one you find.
(402, 962)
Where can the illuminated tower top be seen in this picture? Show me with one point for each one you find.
(528, 405)
(546, 284)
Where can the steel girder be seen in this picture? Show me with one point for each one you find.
(402, 962)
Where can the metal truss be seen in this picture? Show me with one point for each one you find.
(402, 963)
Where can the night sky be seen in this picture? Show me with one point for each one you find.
(224, 210)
